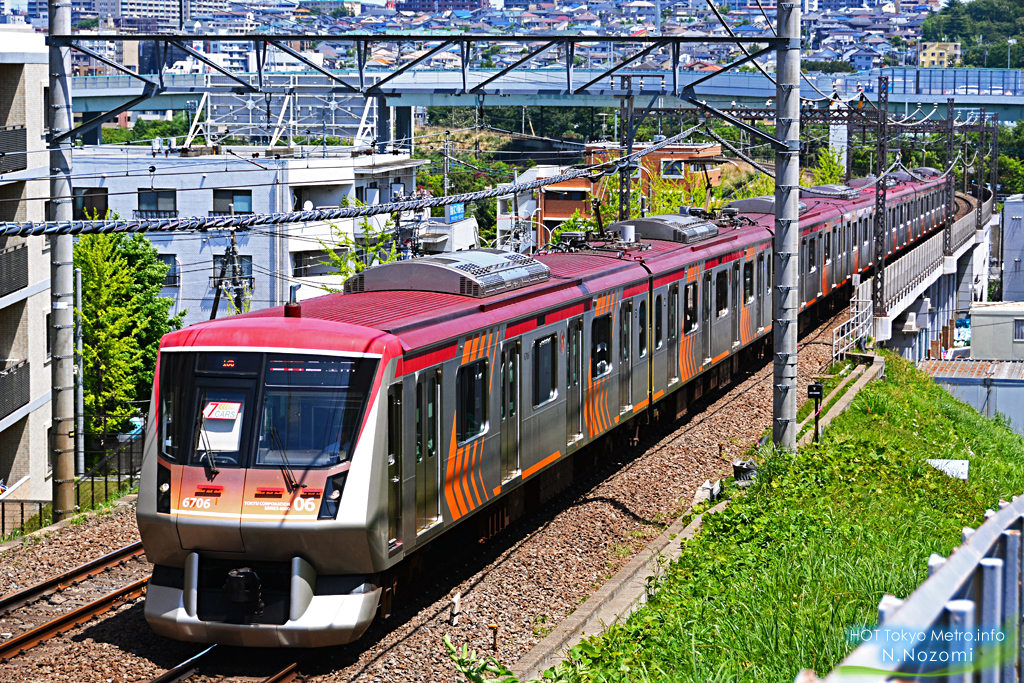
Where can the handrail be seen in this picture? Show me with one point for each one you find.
(976, 587)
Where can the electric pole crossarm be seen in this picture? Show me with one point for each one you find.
(777, 145)
(150, 90)
(75, 45)
(319, 69)
(621, 65)
(483, 84)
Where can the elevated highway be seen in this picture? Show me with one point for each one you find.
(999, 91)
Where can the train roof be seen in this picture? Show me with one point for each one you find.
(426, 301)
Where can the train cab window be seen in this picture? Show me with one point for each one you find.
(748, 281)
(690, 308)
(471, 382)
(826, 247)
(175, 387)
(722, 293)
(642, 332)
(221, 418)
(601, 346)
(312, 409)
(545, 370)
(658, 340)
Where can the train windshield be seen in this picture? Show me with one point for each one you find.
(311, 410)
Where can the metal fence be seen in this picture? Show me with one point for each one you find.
(15, 514)
(118, 465)
(13, 268)
(854, 332)
(13, 147)
(977, 590)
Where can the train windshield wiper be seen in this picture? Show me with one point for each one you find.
(287, 468)
(200, 428)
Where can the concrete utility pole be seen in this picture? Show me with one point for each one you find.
(981, 168)
(62, 396)
(786, 253)
(447, 143)
(947, 230)
(626, 148)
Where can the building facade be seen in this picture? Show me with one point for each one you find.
(938, 54)
(24, 271)
(226, 181)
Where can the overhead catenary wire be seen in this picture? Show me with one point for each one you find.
(27, 228)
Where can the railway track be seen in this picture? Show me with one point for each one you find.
(27, 597)
(192, 666)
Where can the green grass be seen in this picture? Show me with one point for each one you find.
(769, 585)
(828, 383)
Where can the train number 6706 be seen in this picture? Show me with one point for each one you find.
(195, 503)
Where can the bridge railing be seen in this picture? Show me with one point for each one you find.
(902, 276)
(964, 229)
(939, 81)
(976, 590)
(849, 335)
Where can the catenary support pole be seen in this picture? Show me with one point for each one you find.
(62, 404)
(947, 230)
(79, 379)
(787, 229)
(881, 227)
(983, 124)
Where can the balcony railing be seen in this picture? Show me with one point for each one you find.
(13, 145)
(153, 213)
(221, 214)
(13, 269)
(14, 389)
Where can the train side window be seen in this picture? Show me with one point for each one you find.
(812, 256)
(826, 247)
(658, 340)
(545, 370)
(643, 329)
(690, 308)
(748, 282)
(760, 268)
(427, 418)
(722, 293)
(601, 345)
(472, 400)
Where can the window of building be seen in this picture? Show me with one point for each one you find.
(658, 341)
(566, 196)
(673, 168)
(722, 293)
(471, 382)
(748, 281)
(545, 370)
(173, 276)
(314, 263)
(690, 308)
(158, 200)
(601, 346)
(226, 202)
(643, 329)
(90, 203)
(1018, 330)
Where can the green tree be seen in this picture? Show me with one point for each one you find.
(350, 255)
(123, 318)
(830, 168)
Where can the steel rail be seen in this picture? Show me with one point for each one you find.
(286, 675)
(70, 578)
(186, 669)
(65, 622)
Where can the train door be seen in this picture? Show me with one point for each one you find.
(810, 279)
(625, 354)
(511, 417)
(428, 449)
(574, 382)
(721, 320)
(394, 485)
(767, 292)
(707, 316)
(672, 330)
(736, 303)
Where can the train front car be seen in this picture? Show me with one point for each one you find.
(262, 484)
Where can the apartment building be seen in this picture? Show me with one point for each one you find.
(220, 181)
(938, 54)
(24, 270)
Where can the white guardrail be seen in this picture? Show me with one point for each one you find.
(849, 335)
(962, 624)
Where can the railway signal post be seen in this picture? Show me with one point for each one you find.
(787, 228)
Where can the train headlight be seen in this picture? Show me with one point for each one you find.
(163, 489)
(333, 489)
